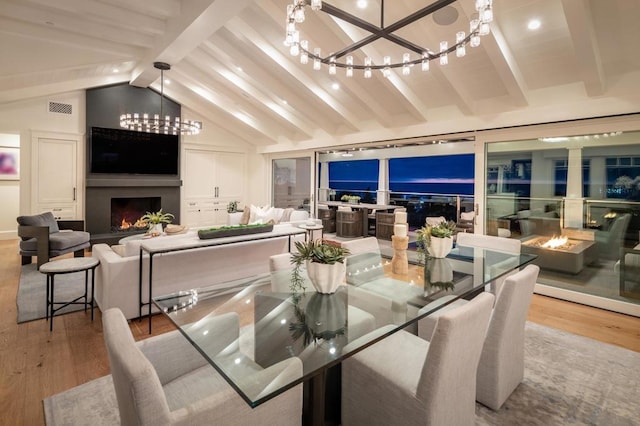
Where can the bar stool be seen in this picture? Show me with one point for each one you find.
(68, 266)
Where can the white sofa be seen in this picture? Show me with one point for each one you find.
(294, 216)
(117, 275)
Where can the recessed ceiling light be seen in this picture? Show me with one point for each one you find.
(534, 24)
(115, 70)
(335, 86)
(167, 81)
(362, 4)
(284, 102)
(239, 69)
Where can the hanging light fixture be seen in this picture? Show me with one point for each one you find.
(478, 26)
(159, 123)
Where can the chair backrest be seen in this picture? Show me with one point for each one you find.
(434, 220)
(364, 263)
(281, 268)
(501, 365)
(452, 361)
(489, 242)
(141, 399)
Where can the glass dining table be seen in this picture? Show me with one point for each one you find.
(274, 324)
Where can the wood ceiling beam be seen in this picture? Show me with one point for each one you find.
(583, 36)
(239, 26)
(197, 21)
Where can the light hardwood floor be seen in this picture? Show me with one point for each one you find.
(36, 364)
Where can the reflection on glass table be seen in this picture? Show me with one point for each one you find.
(321, 330)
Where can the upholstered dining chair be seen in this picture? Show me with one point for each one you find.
(501, 366)
(404, 379)
(466, 241)
(163, 380)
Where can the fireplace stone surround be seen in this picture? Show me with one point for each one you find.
(99, 193)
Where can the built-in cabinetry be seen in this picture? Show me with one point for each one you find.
(211, 179)
(55, 177)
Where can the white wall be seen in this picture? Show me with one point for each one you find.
(9, 194)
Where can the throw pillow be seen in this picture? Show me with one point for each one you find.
(264, 216)
(257, 212)
(246, 213)
(286, 215)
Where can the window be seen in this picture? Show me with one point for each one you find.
(357, 177)
(623, 178)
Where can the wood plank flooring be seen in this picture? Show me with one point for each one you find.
(36, 364)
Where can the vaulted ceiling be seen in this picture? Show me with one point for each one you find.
(229, 64)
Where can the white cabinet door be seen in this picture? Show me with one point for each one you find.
(199, 174)
(55, 176)
(211, 180)
(230, 175)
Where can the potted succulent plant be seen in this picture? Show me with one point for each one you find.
(324, 262)
(156, 219)
(437, 240)
(352, 199)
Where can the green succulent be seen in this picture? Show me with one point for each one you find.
(314, 251)
(157, 217)
(441, 230)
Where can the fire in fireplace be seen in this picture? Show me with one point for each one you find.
(126, 213)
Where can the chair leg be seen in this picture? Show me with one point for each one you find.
(26, 260)
(78, 253)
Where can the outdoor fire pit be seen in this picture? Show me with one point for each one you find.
(560, 253)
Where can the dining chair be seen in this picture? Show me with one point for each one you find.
(365, 271)
(404, 379)
(466, 242)
(165, 380)
(501, 366)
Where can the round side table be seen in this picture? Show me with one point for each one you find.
(68, 266)
(310, 230)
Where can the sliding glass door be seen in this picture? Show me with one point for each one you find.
(292, 183)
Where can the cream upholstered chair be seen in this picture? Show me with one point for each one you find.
(404, 379)
(465, 242)
(164, 380)
(385, 297)
(501, 366)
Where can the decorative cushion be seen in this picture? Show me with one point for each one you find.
(246, 213)
(286, 215)
(262, 214)
(42, 219)
(344, 208)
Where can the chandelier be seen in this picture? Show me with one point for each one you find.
(159, 123)
(415, 55)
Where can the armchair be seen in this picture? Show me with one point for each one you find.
(42, 236)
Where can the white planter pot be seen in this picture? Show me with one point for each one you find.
(156, 228)
(439, 271)
(326, 278)
(440, 247)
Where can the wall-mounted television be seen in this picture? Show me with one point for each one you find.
(116, 151)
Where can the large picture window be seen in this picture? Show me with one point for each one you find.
(358, 177)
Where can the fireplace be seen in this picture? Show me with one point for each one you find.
(126, 213)
(109, 202)
(561, 254)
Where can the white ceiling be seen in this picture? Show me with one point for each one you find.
(583, 62)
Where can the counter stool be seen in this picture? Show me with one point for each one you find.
(67, 266)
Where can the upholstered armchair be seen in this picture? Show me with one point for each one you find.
(164, 380)
(42, 236)
(609, 242)
(404, 379)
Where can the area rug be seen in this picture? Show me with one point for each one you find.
(32, 292)
(568, 380)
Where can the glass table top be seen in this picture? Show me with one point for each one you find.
(250, 330)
